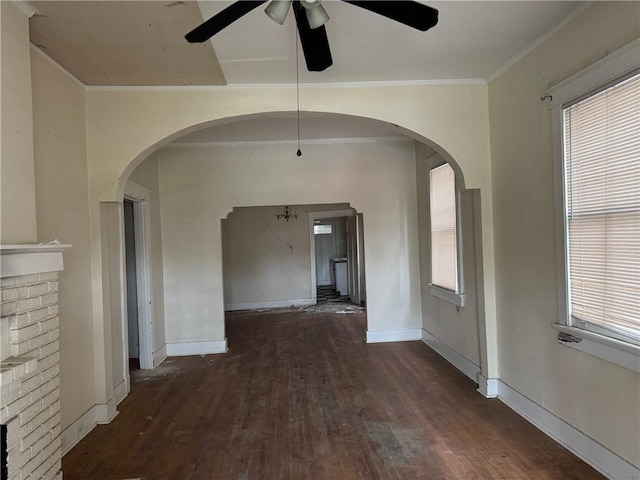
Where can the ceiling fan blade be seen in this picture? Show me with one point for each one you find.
(410, 13)
(221, 20)
(315, 43)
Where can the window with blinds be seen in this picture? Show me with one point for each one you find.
(602, 193)
(444, 249)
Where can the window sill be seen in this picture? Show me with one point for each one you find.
(447, 295)
(609, 349)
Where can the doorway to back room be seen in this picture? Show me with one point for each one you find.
(312, 258)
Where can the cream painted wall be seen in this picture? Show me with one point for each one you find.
(63, 212)
(17, 190)
(456, 327)
(265, 259)
(146, 174)
(597, 397)
(200, 186)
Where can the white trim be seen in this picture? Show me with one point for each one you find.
(456, 298)
(303, 86)
(120, 391)
(590, 451)
(607, 348)
(34, 48)
(488, 387)
(600, 73)
(28, 8)
(30, 259)
(180, 349)
(79, 429)
(313, 141)
(398, 335)
(296, 302)
(160, 355)
(142, 226)
(136, 192)
(605, 70)
(462, 363)
(447, 295)
(106, 412)
(536, 43)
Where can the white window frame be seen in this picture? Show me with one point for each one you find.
(607, 71)
(457, 298)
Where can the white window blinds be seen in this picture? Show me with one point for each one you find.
(602, 183)
(444, 254)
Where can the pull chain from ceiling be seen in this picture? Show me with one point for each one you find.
(299, 152)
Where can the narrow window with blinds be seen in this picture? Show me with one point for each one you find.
(601, 148)
(444, 241)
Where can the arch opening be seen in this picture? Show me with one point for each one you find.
(397, 255)
(393, 130)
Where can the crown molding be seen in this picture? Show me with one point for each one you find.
(539, 41)
(303, 86)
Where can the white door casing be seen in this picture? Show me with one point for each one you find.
(142, 216)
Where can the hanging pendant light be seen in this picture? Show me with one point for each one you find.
(317, 16)
(277, 10)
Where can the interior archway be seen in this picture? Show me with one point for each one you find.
(415, 142)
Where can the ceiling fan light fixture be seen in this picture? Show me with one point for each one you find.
(277, 10)
(317, 16)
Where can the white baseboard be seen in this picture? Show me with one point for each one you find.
(160, 355)
(590, 451)
(400, 335)
(196, 348)
(596, 455)
(488, 387)
(120, 391)
(296, 302)
(79, 429)
(463, 364)
(106, 412)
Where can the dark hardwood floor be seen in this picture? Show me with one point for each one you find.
(300, 396)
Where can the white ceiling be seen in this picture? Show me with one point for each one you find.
(142, 42)
(122, 43)
(125, 43)
(473, 39)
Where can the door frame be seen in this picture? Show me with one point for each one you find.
(319, 215)
(139, 195)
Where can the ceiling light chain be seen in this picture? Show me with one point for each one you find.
(299, 152)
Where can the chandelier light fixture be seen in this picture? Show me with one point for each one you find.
(286, 214)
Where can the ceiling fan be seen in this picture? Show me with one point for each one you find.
(310, 19)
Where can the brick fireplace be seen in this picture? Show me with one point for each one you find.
(29, 361)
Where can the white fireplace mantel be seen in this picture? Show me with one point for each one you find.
(29, 259)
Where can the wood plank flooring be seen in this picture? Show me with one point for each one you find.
(300, 396)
